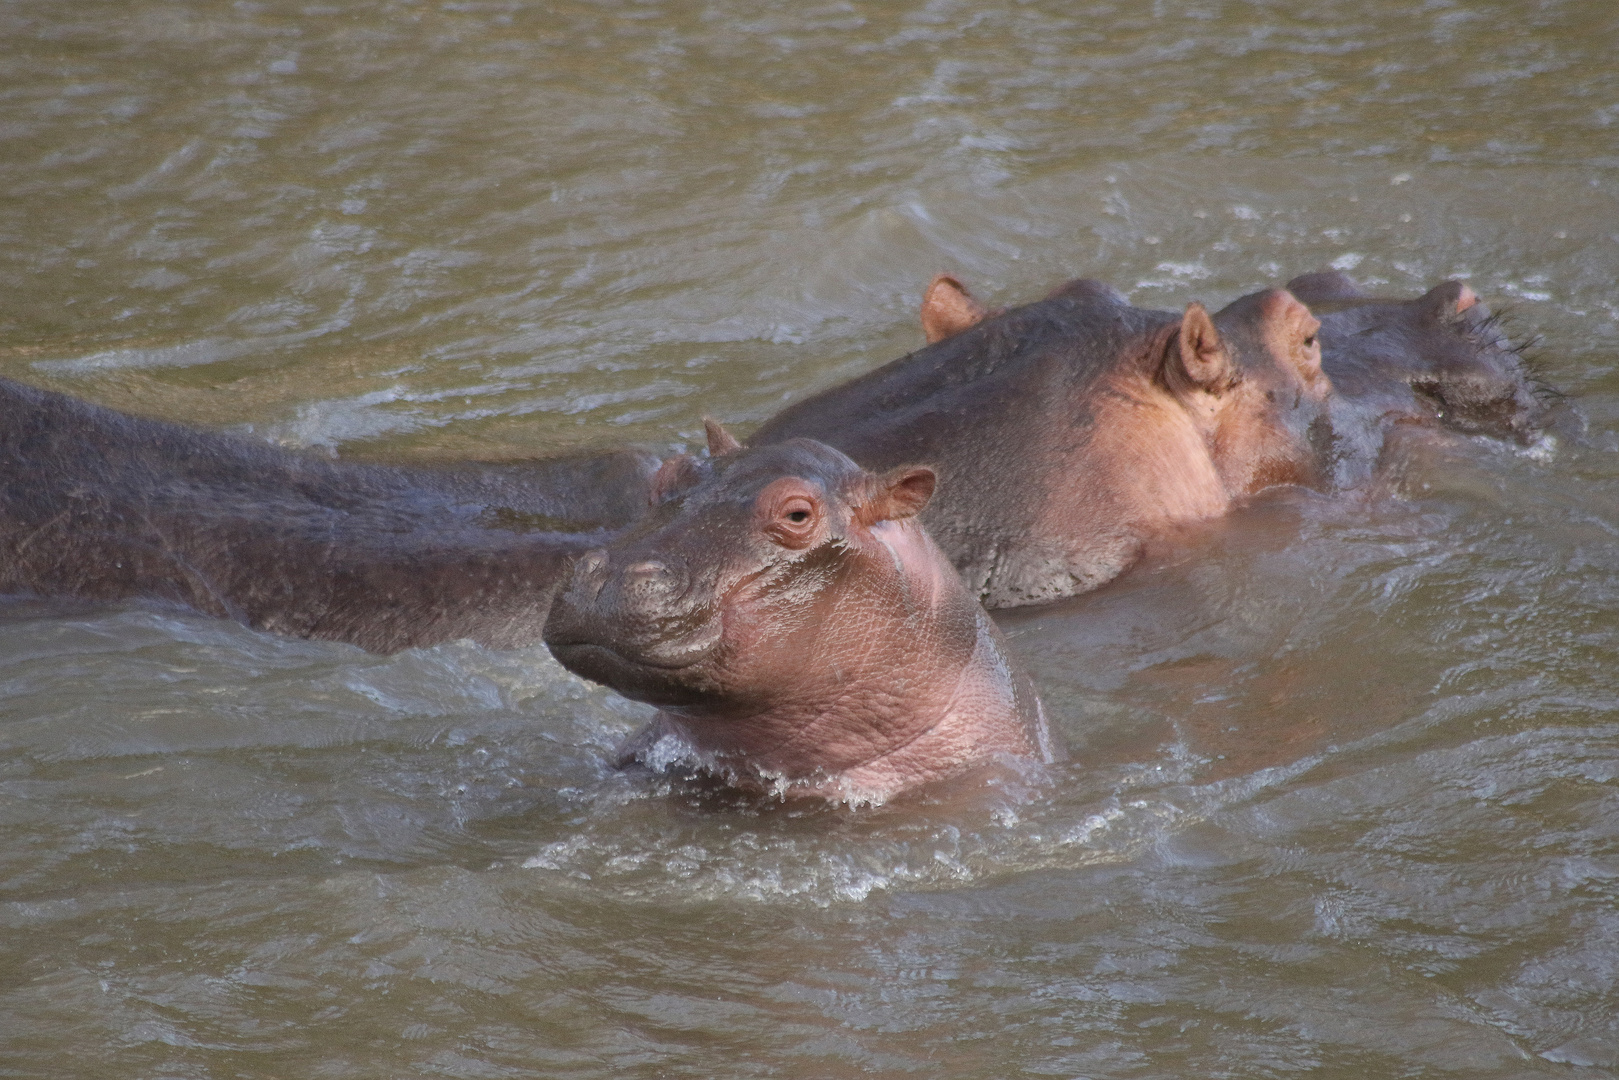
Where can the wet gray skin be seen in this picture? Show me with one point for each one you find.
(797, 629)
(100, 506)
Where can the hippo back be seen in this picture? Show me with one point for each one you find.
(100, 505)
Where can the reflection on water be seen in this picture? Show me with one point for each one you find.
(1345, 772)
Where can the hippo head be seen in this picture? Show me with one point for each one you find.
(730, 589)
(1445, 345)
(1251, 376)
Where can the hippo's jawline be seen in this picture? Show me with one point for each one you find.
(606, 665)
(573, 647)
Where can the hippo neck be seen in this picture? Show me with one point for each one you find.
(992, 711)
(1142, 421)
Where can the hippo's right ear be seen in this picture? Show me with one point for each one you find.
(948, 309)
(899, 494)
(1448, 299)
(720, 441)
(1196, 354)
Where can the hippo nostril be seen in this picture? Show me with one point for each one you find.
(649, 568)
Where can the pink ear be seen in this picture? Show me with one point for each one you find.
(899, 494)
(948, 309)
(720, 441)
(1202, 356)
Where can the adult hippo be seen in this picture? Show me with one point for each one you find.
(1069, 433)
(797, 628)
(104, 506)
(1438, 360)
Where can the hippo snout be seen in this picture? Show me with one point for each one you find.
(627, 620)
(629, 586)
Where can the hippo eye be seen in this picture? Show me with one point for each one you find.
(1309, 341)
(794, 522)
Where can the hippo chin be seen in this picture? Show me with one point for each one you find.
(102, 506)
(1069, 433)
(797, 629)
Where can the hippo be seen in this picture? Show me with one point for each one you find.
(104, 506)
(1070, 433)
(798, 630)
(1438, 359)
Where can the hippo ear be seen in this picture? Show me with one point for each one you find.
(948, 309)
(673, 476)
(1198, 356)
(1448, 299)
(720, 441)
(899, 494)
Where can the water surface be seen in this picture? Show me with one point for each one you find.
(1343, 797)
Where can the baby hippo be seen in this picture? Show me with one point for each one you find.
(797, 628)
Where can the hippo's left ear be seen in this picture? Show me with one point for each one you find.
(898, 494)
(1197, 355)
(948, 309)
(673, 476)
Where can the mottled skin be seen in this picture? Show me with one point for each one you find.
(798, 630)
(1069, 433)
(1439, 359)
(103, 506)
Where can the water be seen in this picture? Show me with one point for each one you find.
(1344, 789)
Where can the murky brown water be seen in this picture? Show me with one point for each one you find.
(1344, 796)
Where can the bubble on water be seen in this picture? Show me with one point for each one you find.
(1542, 450)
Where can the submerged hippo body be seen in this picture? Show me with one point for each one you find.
(103, 506)
(1069, 433)
(797, 628)
(1438, 360)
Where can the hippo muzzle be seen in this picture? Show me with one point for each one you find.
(634, 623)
